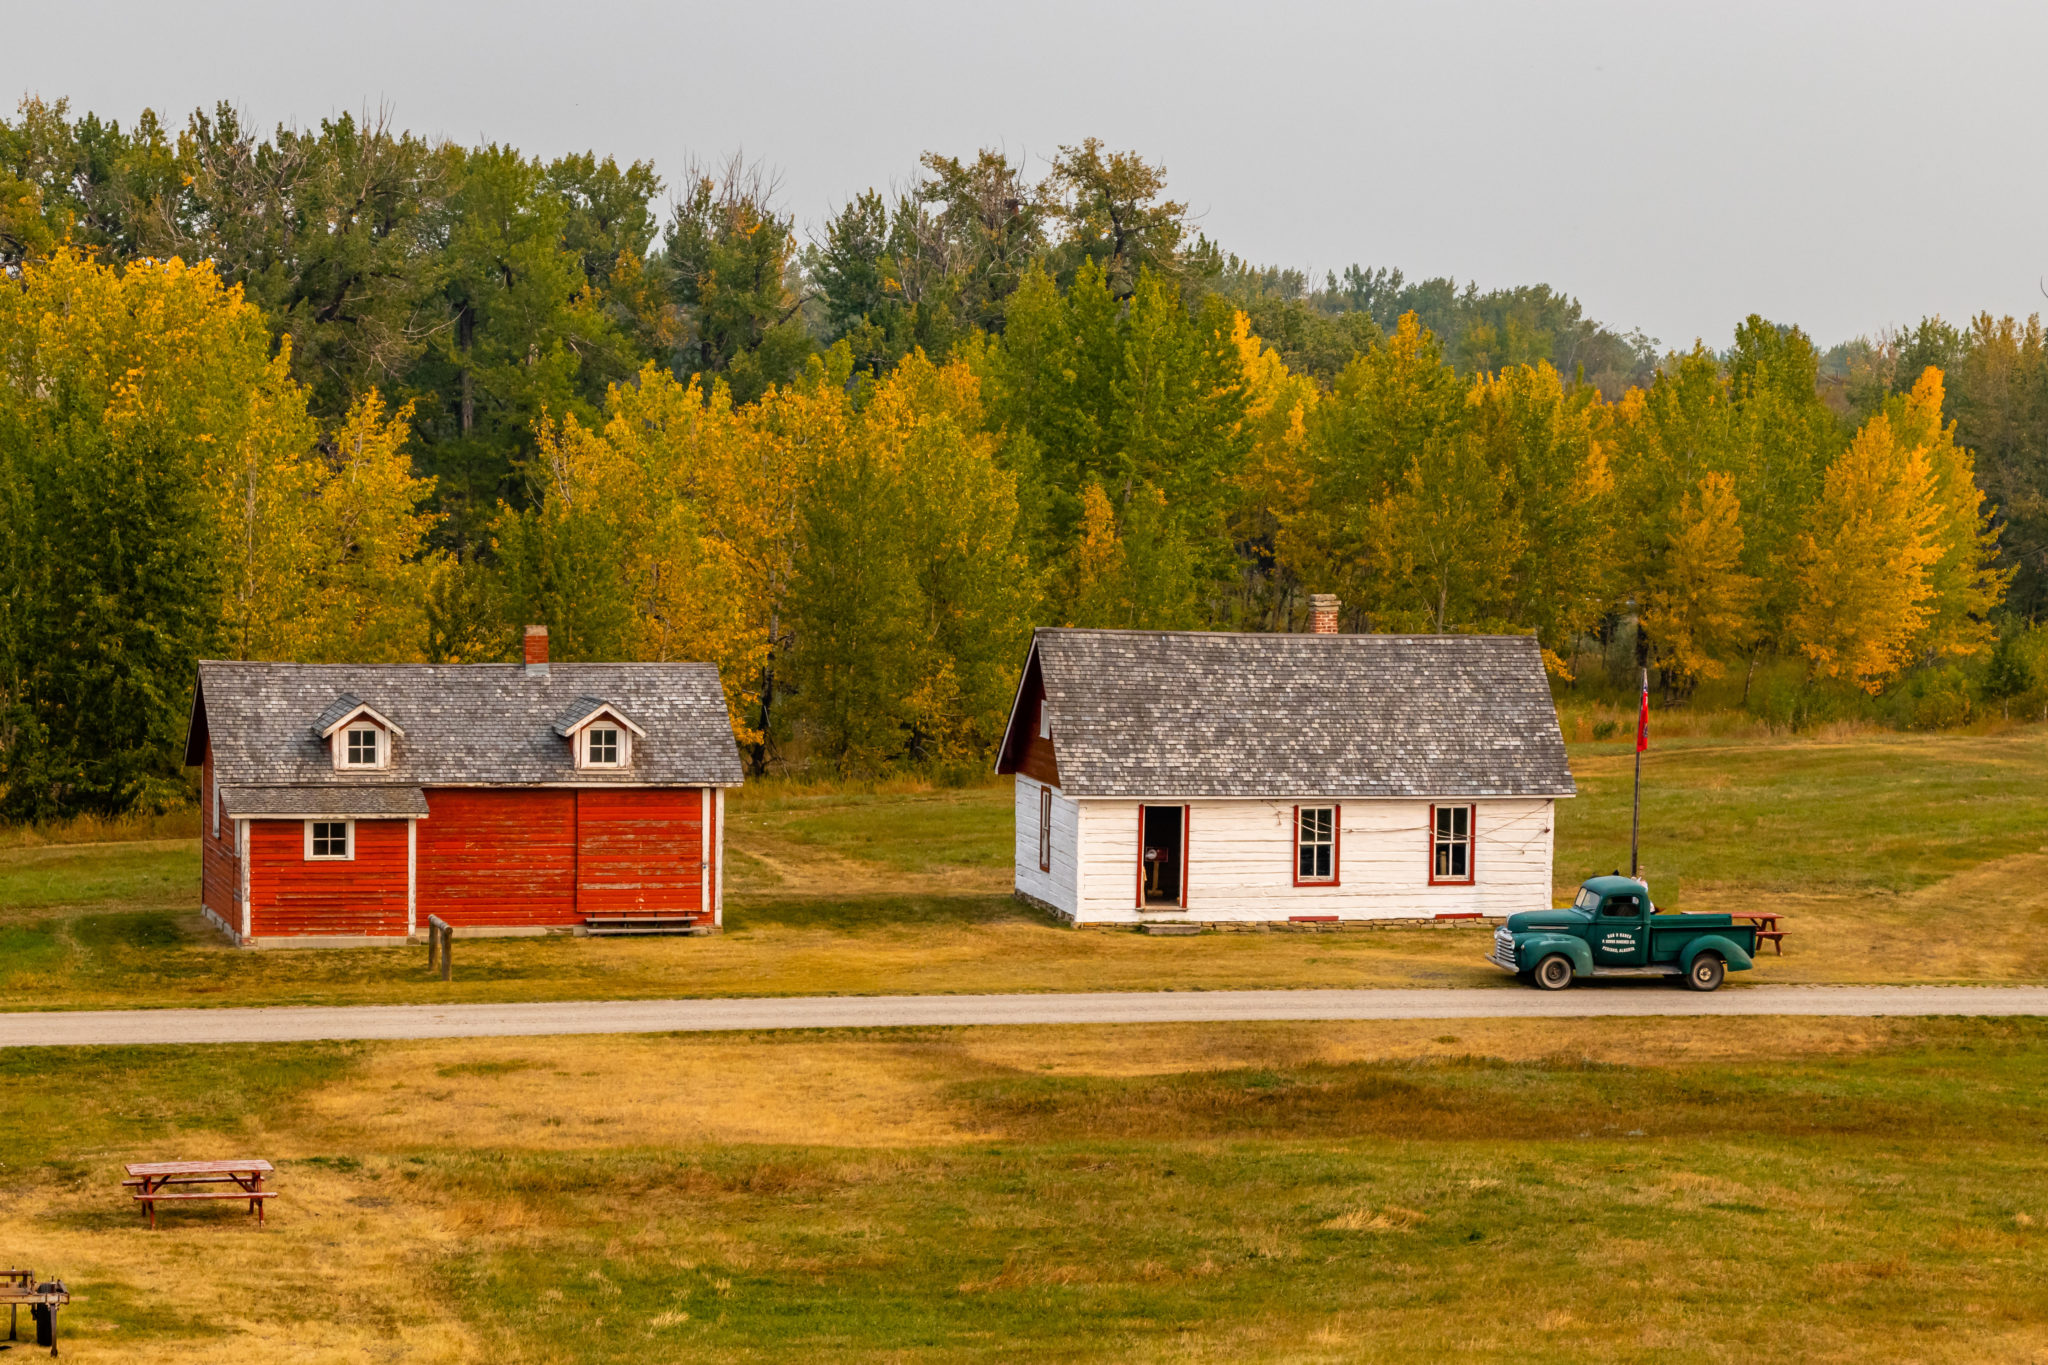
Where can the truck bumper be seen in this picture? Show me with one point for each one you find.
(1503, 954)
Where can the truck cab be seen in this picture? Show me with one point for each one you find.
(1612, 928)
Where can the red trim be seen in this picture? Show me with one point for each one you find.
(1187, 828)
(1463, 914)
(1141, 855)
(1336, 877)
(1471, 846)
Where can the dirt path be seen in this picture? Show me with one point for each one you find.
(302, 1024)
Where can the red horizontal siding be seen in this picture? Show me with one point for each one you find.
(640, 852)
(290, 894)
(220, 871)
(490, 858)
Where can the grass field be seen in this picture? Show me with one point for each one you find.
(1614, 1190)
(1638, 1189)
(1895, 858)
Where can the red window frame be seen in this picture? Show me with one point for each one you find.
(1336, 847)
(1471, 845)
(1187, 824)
(1045, 829)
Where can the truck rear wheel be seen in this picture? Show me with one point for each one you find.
(1553, 973)
(1706, 972)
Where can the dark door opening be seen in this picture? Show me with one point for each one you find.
(1163, 855)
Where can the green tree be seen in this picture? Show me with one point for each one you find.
(1112, 210)
(730, 261)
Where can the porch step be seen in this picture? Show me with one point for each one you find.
(1170, 930)
(615, 926)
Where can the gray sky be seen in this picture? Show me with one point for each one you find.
(1845, 166)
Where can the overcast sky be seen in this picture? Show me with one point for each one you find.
(1844, 166)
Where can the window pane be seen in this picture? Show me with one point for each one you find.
(1323, 861)
(1305, 861)
(1457, 860)
(1460, 817)
(1443, 821)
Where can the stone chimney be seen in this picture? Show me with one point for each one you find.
(536, 651)
(1322, 613)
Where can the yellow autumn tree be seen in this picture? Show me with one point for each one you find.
(1701, 607)
(1556, 487)
(1967, 585)
(1100, 593)
(1273, 483)
(327, 542)
(1382, 455)
(669, 533)
(1865, 592)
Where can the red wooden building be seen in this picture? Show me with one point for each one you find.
(345, 803)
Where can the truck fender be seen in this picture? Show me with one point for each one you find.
(1737, 960)
(1535, 947)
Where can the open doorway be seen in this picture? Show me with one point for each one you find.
(1162, 856)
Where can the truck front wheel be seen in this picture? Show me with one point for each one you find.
(1706, 972)
(1553, 973)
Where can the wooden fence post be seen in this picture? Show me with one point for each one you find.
(445, 932)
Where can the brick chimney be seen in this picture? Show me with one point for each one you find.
(1322, 613)
(536, 651)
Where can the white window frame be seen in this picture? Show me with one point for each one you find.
(349, 833)
(344, 737)
(623, 742)
(1045, 829)
(1438, 843)
(1302, 843)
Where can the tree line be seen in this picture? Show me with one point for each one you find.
(346, 394)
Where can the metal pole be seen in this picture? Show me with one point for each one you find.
(1635, 830)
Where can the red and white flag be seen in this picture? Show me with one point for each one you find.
(1643, 719)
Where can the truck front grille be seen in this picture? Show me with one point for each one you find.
(1504, 949)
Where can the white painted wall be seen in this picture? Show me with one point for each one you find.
(1055, 888)
(1240, 860)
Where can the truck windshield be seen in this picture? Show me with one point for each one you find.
(1589, 899)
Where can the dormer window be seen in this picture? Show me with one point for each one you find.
(356, 734)
(599, 735)
(365, 748)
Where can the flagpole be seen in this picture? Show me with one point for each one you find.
(1635, 830)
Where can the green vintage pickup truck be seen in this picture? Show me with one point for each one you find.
(1612, 929)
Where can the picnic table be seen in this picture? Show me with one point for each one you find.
(1766, 922)
(18, 1287)
(156, 1181)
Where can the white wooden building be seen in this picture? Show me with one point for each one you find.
(1205, 777)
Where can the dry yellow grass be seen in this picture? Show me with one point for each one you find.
(723, 1165)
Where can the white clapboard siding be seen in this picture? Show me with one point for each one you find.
(1055, 888)
(1240, 861)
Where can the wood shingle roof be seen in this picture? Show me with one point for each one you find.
(1189, 714)
(464, 724)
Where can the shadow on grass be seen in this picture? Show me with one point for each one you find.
(866, 914)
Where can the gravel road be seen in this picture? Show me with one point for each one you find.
(70, 1028)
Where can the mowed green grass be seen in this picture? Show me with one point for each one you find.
(1500, 1195)
(1887, 813)
(1895, 858)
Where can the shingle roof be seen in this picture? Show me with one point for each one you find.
(1168, 713)
(465, 724)
(353, 801)
(345, 704)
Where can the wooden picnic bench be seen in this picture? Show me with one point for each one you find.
(18, 1287)
(1766, 922)
(156, 1181)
